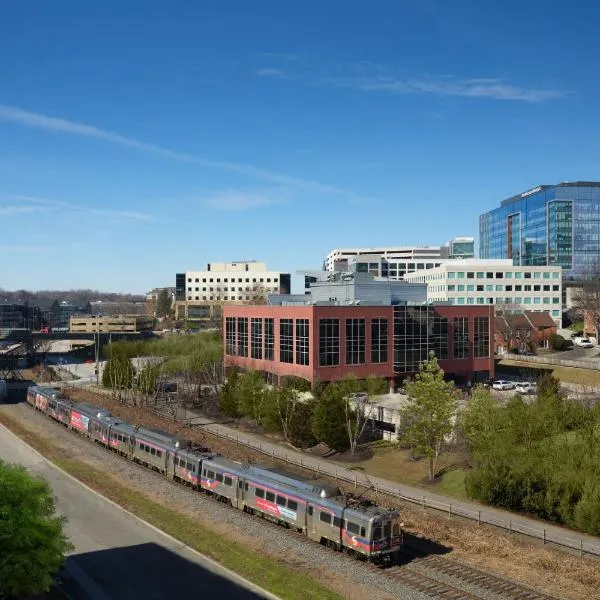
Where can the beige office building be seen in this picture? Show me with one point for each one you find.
(111, 324)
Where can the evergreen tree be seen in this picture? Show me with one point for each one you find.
(329, 418)
(32, 539)
(163, 304)
(427, 418)
(228, 402)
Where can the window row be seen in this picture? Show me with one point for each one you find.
(351, 527)
(232, 280)
(279, 500)
(355, 350)
(150, 450)
(498, 300)
(499, 288)
(181, 462)
(503, 275)
(224, 479)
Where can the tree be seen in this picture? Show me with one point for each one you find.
(163, 304)
(587, 299)
(228, 402)
(118, 372)
(32, 537)
(557, 342)
(480, 421)
(286, 400)
(329, 418)
(147, 379)
(427, 418)
(300, 431)
(251, 397)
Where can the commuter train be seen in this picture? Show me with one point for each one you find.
(317, 510)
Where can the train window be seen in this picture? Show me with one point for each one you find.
(219, 477)
(396, 529)
(363, 531)
(352, 527)
(190, 466)
(259, 493)
(281, 501)
(387, 530)
(204, 472)
(227, 480)
(246, 486)
(337, 522)
(159, 453)
(310, 510)
(325, 518)
(292, 505)
(241, 484)
(377, 532)
(211, 474)
(153, 451)
(270, 496)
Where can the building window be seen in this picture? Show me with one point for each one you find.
(481, 337)
(242, 334)
(269, 339)
(286, 340)
(355, 341)
(230, 336)
(257, 335)
(379, 340)
(461, 337)
(302, 340)
(329, 342)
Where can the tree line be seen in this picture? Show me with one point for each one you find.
(540, 456)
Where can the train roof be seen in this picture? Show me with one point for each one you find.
(162, 437)
(46, 390)
(91, 410)
(124, 427)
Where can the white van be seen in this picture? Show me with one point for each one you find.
(583, 342)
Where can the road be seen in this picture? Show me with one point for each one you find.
(118, 557)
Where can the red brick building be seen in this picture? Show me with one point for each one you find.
(325, 342)
(514, 331)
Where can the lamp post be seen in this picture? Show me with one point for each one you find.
(98, 355)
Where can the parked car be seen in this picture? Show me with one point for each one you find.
(525, 387)
(501, 384)
(583, 342)
(576, 335)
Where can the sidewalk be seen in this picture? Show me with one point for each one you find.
(507, 520)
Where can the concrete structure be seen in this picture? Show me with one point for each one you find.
(111, 324)
(461, 247)
(495, 282)
(547, 225)
(200, 295)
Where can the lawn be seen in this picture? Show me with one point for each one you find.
(390, 462)
(261, 569)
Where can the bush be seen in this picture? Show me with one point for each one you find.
(557, 342)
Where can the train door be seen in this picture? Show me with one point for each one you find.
(311, 524)
(239, 494)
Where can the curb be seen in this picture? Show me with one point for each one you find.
(218, 569)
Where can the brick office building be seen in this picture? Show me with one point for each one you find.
(325, 342)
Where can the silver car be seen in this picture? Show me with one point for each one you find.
(502, 384)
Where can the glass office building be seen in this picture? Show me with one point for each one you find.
(548, 225)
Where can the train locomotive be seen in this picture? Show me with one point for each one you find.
(317, 510)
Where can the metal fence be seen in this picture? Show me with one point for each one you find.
(168, 410)
(554, 360)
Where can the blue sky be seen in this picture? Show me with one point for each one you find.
(143, 138)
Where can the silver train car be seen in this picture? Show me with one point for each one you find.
(318, 510)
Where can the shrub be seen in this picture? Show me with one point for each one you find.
(557, 342)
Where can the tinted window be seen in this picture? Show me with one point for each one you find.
(152, 451)
(337, 522)
(363, 531)
(211, 474)
(228, 480)
(292, 505)
(281, 501)
(219, 477)
(377, 531)
(190, 467)
(310, 510)
(325, 518)
(270, 496)
(259, 493)
(159, 453)
(352, 527)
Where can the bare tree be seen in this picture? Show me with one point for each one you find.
(258, 294)
(587, 299)
(286, 400)
(358, 411)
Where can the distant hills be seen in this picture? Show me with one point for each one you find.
(78, 297)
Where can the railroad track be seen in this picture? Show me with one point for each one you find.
(478, 578)
(406, 574)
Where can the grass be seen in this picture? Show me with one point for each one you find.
(578, 326)
(390, 462)
(567, 374)
(249, 563)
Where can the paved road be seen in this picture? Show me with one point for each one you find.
(117, 557)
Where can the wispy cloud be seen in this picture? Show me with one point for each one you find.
(56, 125)
(79, 208)
(268, 72)
(234, 200)
(8, 211)
(491, 88)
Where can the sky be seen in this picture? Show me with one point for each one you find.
(143, 138)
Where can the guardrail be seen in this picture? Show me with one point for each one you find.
(481, 517)
(553, 360)
(398, 493)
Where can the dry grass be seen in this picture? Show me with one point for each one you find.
(576, 375)
(558, 573)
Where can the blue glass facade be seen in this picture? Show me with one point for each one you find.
(548, 225)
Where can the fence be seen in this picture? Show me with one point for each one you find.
(398, 493)
(552, 360)
(167, 410)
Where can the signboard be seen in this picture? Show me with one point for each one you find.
(79, 422)
(533, 191)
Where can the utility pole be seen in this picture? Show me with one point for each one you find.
(98, 355)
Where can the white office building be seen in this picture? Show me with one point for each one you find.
(495, 281)
(199, 292)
